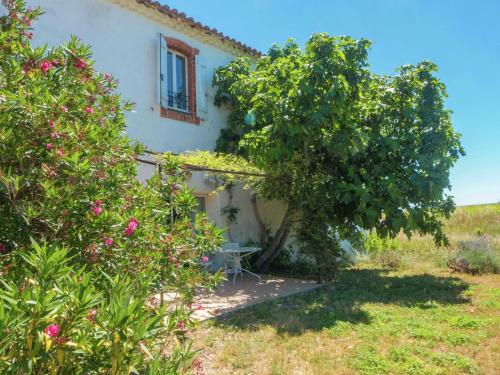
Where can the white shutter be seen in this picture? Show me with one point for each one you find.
(162, 71)
(202, 85)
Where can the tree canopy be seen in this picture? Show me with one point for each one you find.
(347, 150)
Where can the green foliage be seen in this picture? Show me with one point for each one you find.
(374, 244)
(341, 144)
(383, 251)
(291, 264)
(112, 330)
(249, 175)
(68, 174)
(68, 178)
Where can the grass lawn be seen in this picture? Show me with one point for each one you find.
(370, 322)
(419, 320)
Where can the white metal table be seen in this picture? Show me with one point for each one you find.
(235, 253)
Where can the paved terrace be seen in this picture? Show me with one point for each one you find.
(247, 291)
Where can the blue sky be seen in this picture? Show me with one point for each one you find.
(461, 36)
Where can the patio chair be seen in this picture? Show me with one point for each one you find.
(231, 261)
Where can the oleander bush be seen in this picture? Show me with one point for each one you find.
(68, 179)
(53, 319)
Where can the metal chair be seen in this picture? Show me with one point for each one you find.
(231, 260)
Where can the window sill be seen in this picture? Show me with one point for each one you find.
(180, 115)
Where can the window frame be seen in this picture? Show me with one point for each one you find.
(190, 115)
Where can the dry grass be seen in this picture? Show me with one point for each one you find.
(421, 320)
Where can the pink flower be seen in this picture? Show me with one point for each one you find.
(133, 223)
(204, 259)
(97, 209)
(55, 135)
(52, 330)
(107, 77)
(52, 124)
(89, 110)
(131, 227)
(64, 109)
(181, 325)
(175, 187)
(49, 146)
(80, 64)
(108, 241)
(60, 153)
(45, 66)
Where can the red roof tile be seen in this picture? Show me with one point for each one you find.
(174, 13)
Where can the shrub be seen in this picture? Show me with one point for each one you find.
(475, 261)
(479, 242)
(374, 244)
(475, 256)
(322, 245)
(53, 318)
(68, 178)
(291, 264)
(383, 251)
(68, 172)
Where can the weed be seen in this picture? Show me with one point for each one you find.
(368, 361)
(458, 339)
(465, 321)
(455, 360)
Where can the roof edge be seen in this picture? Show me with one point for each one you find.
(189, 21)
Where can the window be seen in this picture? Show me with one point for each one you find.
(177, 78)
(177, 81)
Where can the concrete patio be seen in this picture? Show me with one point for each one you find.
(247, 291)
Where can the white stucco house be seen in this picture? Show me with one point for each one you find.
(164, 62)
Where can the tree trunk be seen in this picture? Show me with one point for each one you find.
(260, 223)
(272, 251)
(277, 251)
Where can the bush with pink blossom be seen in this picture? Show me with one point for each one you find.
(54, 319)
(68, 178)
